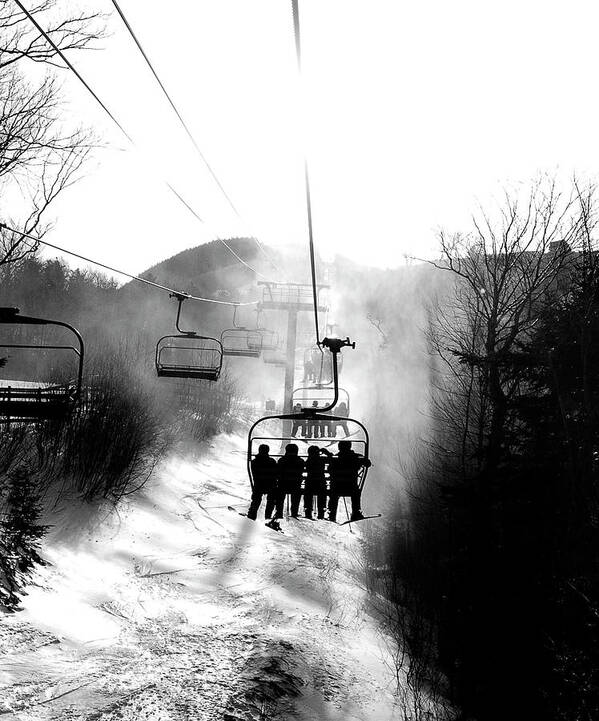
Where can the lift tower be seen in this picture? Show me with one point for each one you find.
(293, 298)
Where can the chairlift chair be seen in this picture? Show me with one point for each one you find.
(187, 354)
(236, 341)
(275, 358)
(261, 431)
(263, 339)
(28, 401)
(277, 438)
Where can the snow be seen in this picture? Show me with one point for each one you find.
(173, 607)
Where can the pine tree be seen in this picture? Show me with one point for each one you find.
(20, 537)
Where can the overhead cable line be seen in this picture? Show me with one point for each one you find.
(224, 242)
(298, 51)
(185, 127)
(172, 291)
(118, 124)
(71, 67)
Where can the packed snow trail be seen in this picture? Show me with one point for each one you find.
(174, 608)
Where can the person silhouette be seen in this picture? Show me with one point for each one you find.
(342, 411)
(264, 473)
(314, 426)
(343, 470)
(308, 370)
(316, 484)
(290, 469)
(298, 425)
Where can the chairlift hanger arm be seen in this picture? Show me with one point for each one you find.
(180, 297)
(335, 345)
(241, 327)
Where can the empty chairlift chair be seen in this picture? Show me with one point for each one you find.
(26, 398)
(241, 341)
(263, 339)
(236, 342)
(275, 358)
(188, 355)
(276, 355)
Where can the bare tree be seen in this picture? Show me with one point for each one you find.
(503, 270)
(39, 154)
(19, 39)
(377, 324)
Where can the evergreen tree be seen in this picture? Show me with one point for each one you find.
(20, 537)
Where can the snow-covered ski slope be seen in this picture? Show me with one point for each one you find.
(173, 607)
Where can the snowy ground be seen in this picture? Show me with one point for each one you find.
(177, 608)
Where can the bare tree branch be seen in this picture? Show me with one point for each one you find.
(40, 156)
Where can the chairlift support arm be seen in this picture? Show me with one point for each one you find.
(334, 345)
(180, 297)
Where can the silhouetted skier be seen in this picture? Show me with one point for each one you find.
(314, 427)
(298, 425)
(264, 473)
(343, 471)
(290, 469)
(316, 484)
(308, 370)
(342, 411)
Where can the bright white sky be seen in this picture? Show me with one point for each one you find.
(411, 113)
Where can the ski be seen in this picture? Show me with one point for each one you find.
(356, 520)
(274, 524)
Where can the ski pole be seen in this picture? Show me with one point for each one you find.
(347, 514)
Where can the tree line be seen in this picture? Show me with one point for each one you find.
(491, 564)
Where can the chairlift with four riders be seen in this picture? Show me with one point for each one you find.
(260, 432)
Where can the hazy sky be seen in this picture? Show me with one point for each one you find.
(411, 112)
